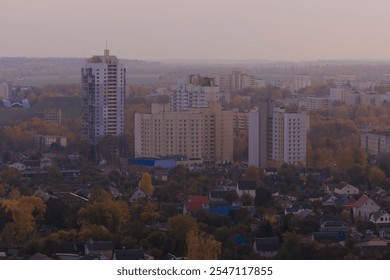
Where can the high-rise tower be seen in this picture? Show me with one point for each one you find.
(103, 81)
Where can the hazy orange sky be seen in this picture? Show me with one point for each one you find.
(197, 29)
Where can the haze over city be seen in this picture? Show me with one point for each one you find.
(212, 29)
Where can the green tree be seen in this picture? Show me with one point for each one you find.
(179, 226)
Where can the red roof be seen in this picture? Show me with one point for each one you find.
(196, 202)
(360, 201)
(341, 185)
(349, 203)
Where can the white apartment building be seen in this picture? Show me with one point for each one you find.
(204, 133)
(45, 141)
(302, 81)
(103, 81)
(5, 91)
(375, 142)
(197, 94)
(289, 136)
(237, 81)
(315, 103)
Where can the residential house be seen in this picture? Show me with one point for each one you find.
(246, 187)
(18, 166)
(131, 254)
(346, 189)
(195, 203)
(335, 226)
(266, 247)
(373, 243)
(137, 195)
(39, 256)
(364, 207)
(99, 249)
(161, 174)
(299, 208)
(380, 218)
(326, 237)
(44, 195)
(328, 200)
(283, 201)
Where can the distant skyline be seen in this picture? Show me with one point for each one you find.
(294, 30)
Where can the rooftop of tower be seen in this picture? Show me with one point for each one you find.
(106, 58)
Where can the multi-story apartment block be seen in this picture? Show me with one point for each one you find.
(260, 134)
(53, 116)
(240, 122)
(45, 141)
(278, 135)
(289, 136)
(196, 94)
(237, 81)
(5, 91)
(302, 81)
(375, 142)
(103, 81)
(204, 133)
(315, 103)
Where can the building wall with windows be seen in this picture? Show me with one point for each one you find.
(204, 133)
(103, 81)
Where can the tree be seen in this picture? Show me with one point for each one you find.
(201, 246)
(146, 184)
(179, 226)
(376, 176)
(105, 212)
(24, 212)
(11, 176)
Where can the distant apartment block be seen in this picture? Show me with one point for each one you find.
(53, 116)
(237, 81)
(240, 122)
(276, 134)
(344, 95)
(289, 136)
(315, 103)
(375, 142)
(103, 80)
(204, 133)
(5, 91)
(302, 81)
(45, 141)
(196, 94)
(260, 134)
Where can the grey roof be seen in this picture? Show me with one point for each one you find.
(326, 236)
(129, 254)
(267, 243)
(39, 256)
(247, 185)
(100, 245)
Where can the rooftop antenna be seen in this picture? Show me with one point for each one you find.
(106, 51)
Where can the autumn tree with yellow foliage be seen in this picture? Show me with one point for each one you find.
(201, 246)
(22, 216)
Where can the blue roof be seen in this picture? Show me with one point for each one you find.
(223, 210)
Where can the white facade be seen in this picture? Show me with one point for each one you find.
(103, 97)
(315, 103)
(5, 92)
(289, 136)
(302, 81)
(197, 94)
(376, 142)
